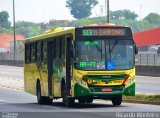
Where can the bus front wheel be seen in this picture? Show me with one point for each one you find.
(117, 100)
(89, 100)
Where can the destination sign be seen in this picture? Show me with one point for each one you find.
(104, 32)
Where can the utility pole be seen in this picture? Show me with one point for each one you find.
(141, 12)
(14, 37)
(107, 11)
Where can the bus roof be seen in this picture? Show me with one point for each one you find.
(51, 33)
(103, 25)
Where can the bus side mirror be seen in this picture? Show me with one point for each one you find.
(136, 48)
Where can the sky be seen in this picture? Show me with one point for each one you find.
(45, 10)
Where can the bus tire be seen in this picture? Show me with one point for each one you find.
(40, 99)
(81, 100)
(117, 100)
(48, 100)
(89, 100)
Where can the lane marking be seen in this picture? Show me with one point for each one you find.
(13, 89)
(50, 107)
(7, 101)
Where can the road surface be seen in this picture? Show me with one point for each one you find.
(24, 105)
(11, 72)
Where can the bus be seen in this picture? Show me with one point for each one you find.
(81, 63)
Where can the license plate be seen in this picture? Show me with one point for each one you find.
(106, 89)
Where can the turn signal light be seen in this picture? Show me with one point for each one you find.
(126, 78)
(89, 81)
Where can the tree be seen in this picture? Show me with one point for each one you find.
(153, 18)
(81, 8)
(116, 14)
(25, 24)
(129, 14)
(4, 22)
(123, 14)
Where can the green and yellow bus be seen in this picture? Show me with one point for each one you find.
(83, 63)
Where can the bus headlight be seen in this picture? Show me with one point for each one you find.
(84, 83)
(78, 80)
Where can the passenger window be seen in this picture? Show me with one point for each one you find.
(57, 51)
(28, 53)
(33, 52)
(39, 51)
(54, 49)
(44, 50)
(62, 48)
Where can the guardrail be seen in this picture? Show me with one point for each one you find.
(8, 59)
(146, 64)
(148, 59)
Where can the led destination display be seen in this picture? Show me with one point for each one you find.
(104, 32)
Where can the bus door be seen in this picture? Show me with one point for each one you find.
(50, 67)
(68, 63)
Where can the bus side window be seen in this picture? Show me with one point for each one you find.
(33, 52)
(57, 48)
(62, 48)
(44, 50)
(54, 49)
(28, 53)
(39, 51)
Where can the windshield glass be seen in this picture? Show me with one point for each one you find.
(104, 54)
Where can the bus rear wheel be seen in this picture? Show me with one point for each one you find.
(117, 100)
(40, 99)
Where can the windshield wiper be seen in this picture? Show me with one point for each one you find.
(113, 47)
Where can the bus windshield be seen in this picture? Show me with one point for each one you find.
(103, 54)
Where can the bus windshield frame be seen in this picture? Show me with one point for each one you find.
(104, 52)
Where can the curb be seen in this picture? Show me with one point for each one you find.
(142, 102)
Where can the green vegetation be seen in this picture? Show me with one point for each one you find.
(81, 8)
(146, 99)
(120, 17)
(123, 14)
(4, 22)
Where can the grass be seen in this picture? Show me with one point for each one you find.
(144, 99)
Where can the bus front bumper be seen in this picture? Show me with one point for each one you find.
(96, 92)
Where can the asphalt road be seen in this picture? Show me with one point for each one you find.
(23, 105)
(11, 72)
(147, 84)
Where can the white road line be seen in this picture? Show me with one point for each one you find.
(7, 101)
(50, 107)
(13, 89)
